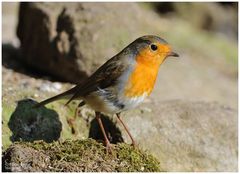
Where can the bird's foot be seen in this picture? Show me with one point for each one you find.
(109, 148)
(134, 145)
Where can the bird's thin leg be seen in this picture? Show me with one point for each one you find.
(125, 127)
(103, 131)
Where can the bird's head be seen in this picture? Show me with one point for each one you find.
(151, 49)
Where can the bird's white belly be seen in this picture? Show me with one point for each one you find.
(102, 104)
(98, 103)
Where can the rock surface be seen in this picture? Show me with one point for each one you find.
(218, 17)
(29, 124)
(76, 156)
(186, 135)
(76, 44)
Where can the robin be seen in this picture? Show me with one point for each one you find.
(123, 82)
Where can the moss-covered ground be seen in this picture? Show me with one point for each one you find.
(81, 155)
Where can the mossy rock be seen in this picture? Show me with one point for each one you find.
(76, 156)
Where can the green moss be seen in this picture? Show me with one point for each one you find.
(6, 132)
(90, 155)
(137, 159)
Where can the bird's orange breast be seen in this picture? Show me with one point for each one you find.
(142, 79)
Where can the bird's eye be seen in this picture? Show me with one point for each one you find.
(153, 47)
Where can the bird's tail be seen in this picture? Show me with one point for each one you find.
(67, 94)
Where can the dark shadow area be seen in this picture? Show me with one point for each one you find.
(229, 4)
(11, 59)
(28, 123)
(164, 8)
(113, 133)
(10, 54)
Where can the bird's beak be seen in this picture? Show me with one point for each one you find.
(173, 54)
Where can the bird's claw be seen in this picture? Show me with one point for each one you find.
(109, 148)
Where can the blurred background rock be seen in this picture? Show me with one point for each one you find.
(47, 45)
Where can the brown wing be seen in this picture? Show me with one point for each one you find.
(104, 77)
